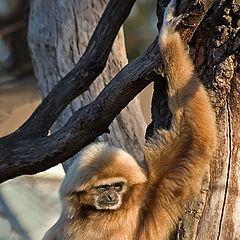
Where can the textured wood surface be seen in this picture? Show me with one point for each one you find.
(217, 57)
(57, 50)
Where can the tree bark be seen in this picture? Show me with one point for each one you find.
(217, 58)
(74, 23)
(215, 49)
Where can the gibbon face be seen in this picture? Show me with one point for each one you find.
(107, 195)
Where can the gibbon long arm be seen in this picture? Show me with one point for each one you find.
(178, 161)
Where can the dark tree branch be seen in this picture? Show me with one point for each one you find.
(84, 73)
(21, 154)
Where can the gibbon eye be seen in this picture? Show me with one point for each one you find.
(118, 186)
(103, 188)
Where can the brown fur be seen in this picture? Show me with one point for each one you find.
(176, 163)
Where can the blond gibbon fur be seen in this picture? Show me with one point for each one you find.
(153, 199)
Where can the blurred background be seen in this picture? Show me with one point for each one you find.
(24, 200)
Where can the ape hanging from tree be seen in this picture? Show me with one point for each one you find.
(107, 195)
(216, 53)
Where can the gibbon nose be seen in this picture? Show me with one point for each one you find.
(112, 196)
(109, 197)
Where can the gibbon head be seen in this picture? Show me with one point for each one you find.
(100, 178)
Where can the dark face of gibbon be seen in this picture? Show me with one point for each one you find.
(105, 195)
(109, 196)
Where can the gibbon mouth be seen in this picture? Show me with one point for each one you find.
(108, 203)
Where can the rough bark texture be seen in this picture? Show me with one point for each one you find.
(215, 48)
(58, 49)
(217, 58)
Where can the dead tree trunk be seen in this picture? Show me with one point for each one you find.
(215, 48)
(58, 35)
(217, 57)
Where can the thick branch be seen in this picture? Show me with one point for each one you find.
(21, 155)
(84, 73)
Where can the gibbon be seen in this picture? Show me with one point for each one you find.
(107, 195)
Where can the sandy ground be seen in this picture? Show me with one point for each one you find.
(17, 101)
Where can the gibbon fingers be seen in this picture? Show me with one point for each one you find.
(106, 195)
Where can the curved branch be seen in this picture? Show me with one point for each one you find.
(21, 154)
(90, 65)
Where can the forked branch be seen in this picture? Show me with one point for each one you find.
(29, 150)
